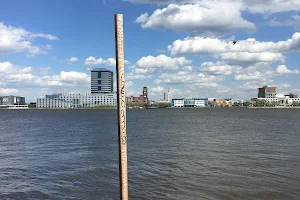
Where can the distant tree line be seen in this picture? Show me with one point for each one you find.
(155, 104)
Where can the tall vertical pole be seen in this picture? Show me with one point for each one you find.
(123, 168)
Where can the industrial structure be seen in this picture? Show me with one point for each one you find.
(141, 99)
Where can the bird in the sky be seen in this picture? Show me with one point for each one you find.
(233, 41)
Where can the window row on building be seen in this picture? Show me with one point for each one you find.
(281, 100)
(74, 100)
(189, 102)
(12, 100)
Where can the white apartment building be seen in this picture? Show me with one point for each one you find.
(189, 102)
(281, 100)
(75, 100)
(177, 103)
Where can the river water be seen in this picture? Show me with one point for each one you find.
(172, 153)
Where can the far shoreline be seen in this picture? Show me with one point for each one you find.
(279, 107)
(145, 108)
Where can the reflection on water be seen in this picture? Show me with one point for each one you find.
(173, 154)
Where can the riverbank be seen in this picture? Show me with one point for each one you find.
(138, 108)
(268, 107)
(113, 108)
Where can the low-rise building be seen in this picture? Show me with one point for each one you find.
(189, 102)
(291, 95)
(32, 105)
(217, 102)
(280, 100)
(141, 99)
(132, 99)
(233, 102)
(12, 100)
(76, 100)
(177, 103)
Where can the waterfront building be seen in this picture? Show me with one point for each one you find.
(101, 94)
(101, 80)
(145, 95)
(132, 99)
(219, 102)
(281, 100)
(267, 92)
(32, 105)
(12, 100)
(233, 102)
(77, 100)
(141, 99)
(17, 107)
(189, 102)
(291, 95)
(270, 96)
(178, 103)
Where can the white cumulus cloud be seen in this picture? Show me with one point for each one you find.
(133, 76)
(100, 61)
(187, 68)
(158, 89)
(283, 70)
(162, 1)
(189, 78)
(203, 45)
(294, 22)
(217, 19)
(162, 62)
(254, 6)
(14, 40)
(244, 51)
(8, 91)
(218, 68)
(24, 77)
(246, 57)
(73, 59)
(250, 76)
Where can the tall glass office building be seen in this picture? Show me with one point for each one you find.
(101, 80)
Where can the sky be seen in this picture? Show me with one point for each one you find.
(49, 46)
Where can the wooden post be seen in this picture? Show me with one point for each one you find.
(121, 100)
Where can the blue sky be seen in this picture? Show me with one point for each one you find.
(49, 46)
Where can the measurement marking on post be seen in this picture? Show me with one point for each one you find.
(121, 99)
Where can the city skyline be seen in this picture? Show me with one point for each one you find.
(49, 48)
